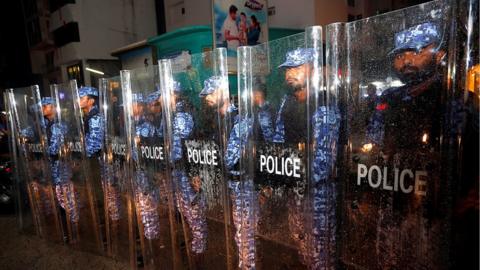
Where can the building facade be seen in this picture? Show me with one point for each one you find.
(71, 39)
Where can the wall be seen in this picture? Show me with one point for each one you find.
(199, 12)
(327, 11)
(104, 26)
(196, 12)
(293, 13)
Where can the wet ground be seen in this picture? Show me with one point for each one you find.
(27, 251)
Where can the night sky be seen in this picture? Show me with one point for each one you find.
(15, 68)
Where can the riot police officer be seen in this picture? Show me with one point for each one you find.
(241, 193)
(405, 116)
(326, 127)
(61, 172)
(182, 128)
(291, 116)
(146, 192)
(190, 198)
(405, 130)
(243, 196)
(94, 130)
(39, 188)
(315, 247)
(94, 122)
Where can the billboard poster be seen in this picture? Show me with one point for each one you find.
(239, 23)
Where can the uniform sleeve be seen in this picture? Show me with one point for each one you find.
(279, 135)
(94, 139)
(27, 132)
(326, 131)
(159, 130)
(145, 130)
(238, 137)
(56, 139)
(326, 122)
(183, 125)
(182, 128)
(266, 123)
(375, 127)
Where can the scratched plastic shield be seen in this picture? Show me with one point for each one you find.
(403, 107)
(199, 115)
(34, 183)
(26, 218)
(151, 175)
(467, 86)
(116, 176)
(23, 210)
(73, 176)
(279, 93)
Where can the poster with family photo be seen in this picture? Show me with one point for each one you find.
(239, 23)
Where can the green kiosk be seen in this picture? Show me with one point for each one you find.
(196, 39)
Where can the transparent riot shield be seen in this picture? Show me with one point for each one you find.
(281, 109)
(199, 113)
(116, 175)
(324, 126)
(464, 116)
(23, 209)
(29, 132)
(394, 75)
(72, 175)
(151, 181)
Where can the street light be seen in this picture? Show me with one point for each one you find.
(95, 71)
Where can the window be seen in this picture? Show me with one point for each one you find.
(351, 3)
(66, 34)
(75, 72)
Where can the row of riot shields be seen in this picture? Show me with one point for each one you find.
(60, 189)
(357, 152)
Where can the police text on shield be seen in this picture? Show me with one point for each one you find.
(406, 180)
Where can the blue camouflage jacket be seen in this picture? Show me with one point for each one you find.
(55, 135)
(94, 132)
(326, 125)
(182, 129)
(241, 130)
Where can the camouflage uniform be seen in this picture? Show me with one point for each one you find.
(93, 125)
(326, 124)
(37, 182)
(192, 205)
(94, 128)
(243, 194)
(61, 172)
(406, 129)
(316, 248)
(146, 192)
